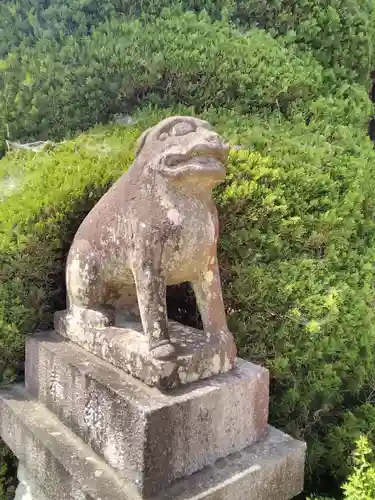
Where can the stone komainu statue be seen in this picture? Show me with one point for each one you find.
(156, 226)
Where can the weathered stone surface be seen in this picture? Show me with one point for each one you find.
(148, 436)
(56, 458)
(27, 488)
(60, 462)
(270, 470)
(198, 356)
(156, 226)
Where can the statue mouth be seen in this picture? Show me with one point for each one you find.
(200, 161)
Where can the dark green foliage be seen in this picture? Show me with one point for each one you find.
(23, 22)
(343, 435)
(7, 473)
(54, 89)
(340, 33)
(360, 485)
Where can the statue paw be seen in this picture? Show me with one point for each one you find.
(163, 350)
(92, 317)
(225, 338)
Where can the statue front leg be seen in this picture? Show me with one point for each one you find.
(211, 306)
(151, 293)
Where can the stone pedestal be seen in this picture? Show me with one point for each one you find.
(85, 430)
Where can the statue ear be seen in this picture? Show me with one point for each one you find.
(141, 141)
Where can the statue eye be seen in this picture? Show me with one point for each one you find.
(182, 129)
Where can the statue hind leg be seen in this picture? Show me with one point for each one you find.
(85, 291)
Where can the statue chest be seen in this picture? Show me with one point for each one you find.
(192, 242)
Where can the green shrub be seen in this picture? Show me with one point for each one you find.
(342, 436)
(7, 473)
(53, 89)
(297, 210)
(361, 483)
(340, 33)
(297, 246)
(23, 22)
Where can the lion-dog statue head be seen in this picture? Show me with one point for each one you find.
(184, 148)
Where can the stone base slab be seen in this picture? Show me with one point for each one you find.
(65, 468)
(148, 436)
(57, 460)
(126, 347)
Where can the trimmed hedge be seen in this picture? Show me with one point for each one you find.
(54, 89)
(58, 87)
(340, 33)
(296, 252)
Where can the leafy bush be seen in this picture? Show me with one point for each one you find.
(361, 483)
(23, 22)
(297, 249)
(51, 90)
(297, 210)
(340, 33)
(342, 436)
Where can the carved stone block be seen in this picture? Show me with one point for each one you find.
(150, 437)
